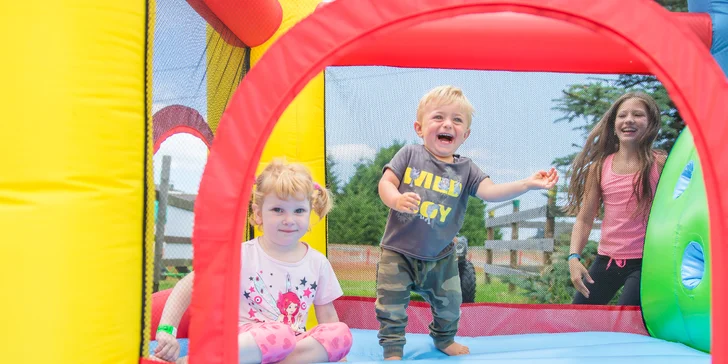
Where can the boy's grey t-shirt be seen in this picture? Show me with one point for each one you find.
(444, 190)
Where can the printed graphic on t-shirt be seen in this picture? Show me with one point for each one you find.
(289, 307)
(436, 209)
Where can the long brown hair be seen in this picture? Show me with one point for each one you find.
(602, 141)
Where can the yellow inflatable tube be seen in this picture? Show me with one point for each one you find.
(299, 134)
(72, 186)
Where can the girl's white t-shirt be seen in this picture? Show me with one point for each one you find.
(272, 290)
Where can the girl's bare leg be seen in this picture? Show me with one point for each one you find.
(248, 350)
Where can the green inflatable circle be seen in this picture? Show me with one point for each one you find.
(679, 217)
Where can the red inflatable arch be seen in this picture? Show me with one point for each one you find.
(180, 119)
(674, 55)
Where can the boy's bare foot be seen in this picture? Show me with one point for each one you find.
(456, 349)
(393, 358)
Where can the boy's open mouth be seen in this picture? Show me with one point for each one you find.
(444, 137)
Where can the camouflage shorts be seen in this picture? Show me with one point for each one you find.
(437, 282)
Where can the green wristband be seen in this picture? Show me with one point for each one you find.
(168, 329)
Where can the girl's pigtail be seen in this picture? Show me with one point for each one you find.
(253, 198)
(321, 200)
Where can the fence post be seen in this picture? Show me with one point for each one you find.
(514, 236)
(489, 252)
(551, 211)
(161, 220)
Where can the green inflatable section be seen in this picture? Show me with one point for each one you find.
(676, 265)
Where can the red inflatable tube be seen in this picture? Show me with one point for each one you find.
(159, 299)
(515, 42)
(251, 22)
(225, 33)
(176, 119)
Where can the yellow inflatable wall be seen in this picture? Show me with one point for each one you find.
(299, 135)
(73, 200)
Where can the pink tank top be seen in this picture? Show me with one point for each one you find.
(623, 235)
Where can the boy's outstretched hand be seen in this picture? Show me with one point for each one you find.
(543, 180)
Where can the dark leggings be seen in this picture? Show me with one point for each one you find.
(607, 281)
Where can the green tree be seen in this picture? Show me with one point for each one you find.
(359, 216)
(333, 182)
(674, 5)
(474, 224)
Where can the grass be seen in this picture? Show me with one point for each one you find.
(496, 291)
(167, 283)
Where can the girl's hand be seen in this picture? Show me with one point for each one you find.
(167, 347)
(408, 203)
(543, 180)
(578, 272)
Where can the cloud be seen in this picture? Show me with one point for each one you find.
(352, 153)
(189, 156)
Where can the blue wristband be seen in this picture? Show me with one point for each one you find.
(574, 255)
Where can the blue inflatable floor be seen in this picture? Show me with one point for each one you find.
(580, 347)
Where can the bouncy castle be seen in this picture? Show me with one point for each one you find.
(77, 193)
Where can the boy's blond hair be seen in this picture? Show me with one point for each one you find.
(446, 95)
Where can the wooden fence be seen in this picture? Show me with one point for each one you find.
(163, 267)
(521, 219)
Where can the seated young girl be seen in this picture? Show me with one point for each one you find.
(281, 279)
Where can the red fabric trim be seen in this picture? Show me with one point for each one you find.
(699, 23)
(179, 119)
(180, 129)
(485, 319)
(675, 55)
(534, 306)
(149, 361)
(514, 40)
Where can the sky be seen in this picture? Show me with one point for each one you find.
(513, 133)
(513, 130)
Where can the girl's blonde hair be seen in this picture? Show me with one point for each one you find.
(288, 180)
(602, 141)
(445, 95)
